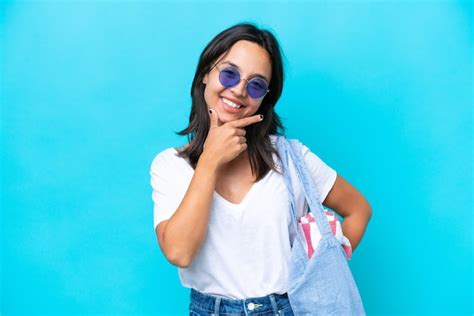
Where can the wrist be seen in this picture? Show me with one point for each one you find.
(207, 163)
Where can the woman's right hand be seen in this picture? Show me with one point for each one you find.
(225, 142)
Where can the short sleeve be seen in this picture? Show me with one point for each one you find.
(323, 175)
(166, 189)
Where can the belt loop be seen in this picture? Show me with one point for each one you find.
(274, 304)
(217, 304)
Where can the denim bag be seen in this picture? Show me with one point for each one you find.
(322, 284)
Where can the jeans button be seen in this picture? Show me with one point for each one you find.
(251, 306)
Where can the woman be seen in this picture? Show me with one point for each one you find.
(221, 206)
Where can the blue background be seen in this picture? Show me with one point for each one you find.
(92, 91)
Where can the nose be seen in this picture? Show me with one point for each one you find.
(241, 88)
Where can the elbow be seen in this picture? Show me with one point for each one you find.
(179, 260)
(175, 256)
(361, 209)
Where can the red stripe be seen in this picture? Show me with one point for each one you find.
(333, 227)
(307, 235)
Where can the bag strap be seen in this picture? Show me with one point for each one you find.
(292, 149)
(282, 148)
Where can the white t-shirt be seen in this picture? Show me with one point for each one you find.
(246, 251)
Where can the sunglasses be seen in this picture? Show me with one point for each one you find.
(230, 77)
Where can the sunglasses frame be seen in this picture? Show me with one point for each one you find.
(240, 77)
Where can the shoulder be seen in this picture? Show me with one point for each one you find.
(304, 150)
(164, 159)
(309, 156)
(274, 138)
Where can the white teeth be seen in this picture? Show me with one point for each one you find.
(231, 104)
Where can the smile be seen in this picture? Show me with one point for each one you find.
(231, 104)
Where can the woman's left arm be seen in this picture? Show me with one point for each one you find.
(348, 202)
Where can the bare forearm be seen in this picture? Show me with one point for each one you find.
(354, 225)
(186, 229)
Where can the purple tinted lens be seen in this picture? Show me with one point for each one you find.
(257, 88)
(229, 77)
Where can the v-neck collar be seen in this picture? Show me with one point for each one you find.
(223, 200)
(244, 201)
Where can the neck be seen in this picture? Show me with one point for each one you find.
(241, 160)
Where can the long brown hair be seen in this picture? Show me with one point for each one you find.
(259, 146)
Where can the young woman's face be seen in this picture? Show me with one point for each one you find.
(251, 60)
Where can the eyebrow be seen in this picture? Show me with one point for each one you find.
(251, 75)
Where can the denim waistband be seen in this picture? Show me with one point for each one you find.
(215, 304)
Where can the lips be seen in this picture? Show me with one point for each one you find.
(236, 101)
(230, 109)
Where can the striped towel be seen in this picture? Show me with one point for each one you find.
(313, 236)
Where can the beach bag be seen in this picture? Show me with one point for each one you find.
(320, 284)
(312, 235)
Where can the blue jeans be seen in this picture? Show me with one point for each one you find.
(209, 305)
